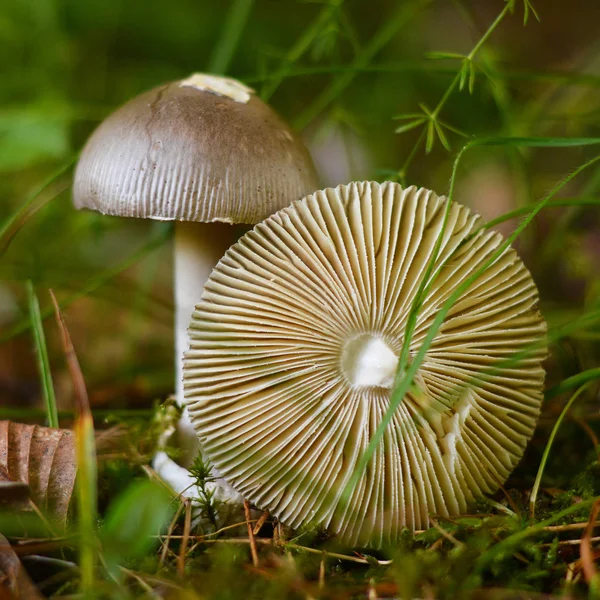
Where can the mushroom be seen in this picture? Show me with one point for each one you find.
(204, 152)
(294, 351)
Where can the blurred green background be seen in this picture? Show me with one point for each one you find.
(339, 71)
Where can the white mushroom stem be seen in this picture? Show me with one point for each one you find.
(198, 248)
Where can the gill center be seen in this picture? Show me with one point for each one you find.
(367, 360)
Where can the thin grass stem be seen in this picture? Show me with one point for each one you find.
(489, 31)
(574, 381)
(432, 117)
(37, 328)
(405, 373)
(416, 66)
(510, 543)
(523, 210)
(540, 472)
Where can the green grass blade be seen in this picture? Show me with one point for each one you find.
(426, 282)
(575, 380)
(236, 20)
(406, 374)
(429, 139)
(509, 544)
(410, 125)
(416, 66)
(556, 241)
(39, 338)
(540, 473)
(537, 142)
(523, 210)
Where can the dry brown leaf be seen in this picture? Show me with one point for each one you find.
(41, 458)
(14, 581)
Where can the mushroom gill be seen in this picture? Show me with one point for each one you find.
(294, 351)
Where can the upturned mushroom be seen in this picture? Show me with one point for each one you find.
(204, 152)
(294, 350)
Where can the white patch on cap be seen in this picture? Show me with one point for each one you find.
(222, 86)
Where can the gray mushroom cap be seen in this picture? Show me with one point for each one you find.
(201, 149)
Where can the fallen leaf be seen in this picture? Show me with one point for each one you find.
(14, 581)
(13, 494)
(42, 459)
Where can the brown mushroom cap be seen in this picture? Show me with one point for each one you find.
(294, 347)
(202, 149)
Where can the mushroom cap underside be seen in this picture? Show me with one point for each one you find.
(294, 349)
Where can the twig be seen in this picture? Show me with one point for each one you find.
(570, 526)
(445, 533)
(290, 546)
(152, 474)
(81, 395)
(203, 536)
(36, 546)
(435, 546)
(159, 581)
(508, 497)
(356, 559)
(587, 559)
(253, 550)
(512, 542)
(42, 518)
(185, 540)
(85, 445)
(145, 586)
(232, 526)
(167, 539)
(569, 542)
(261, 521)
